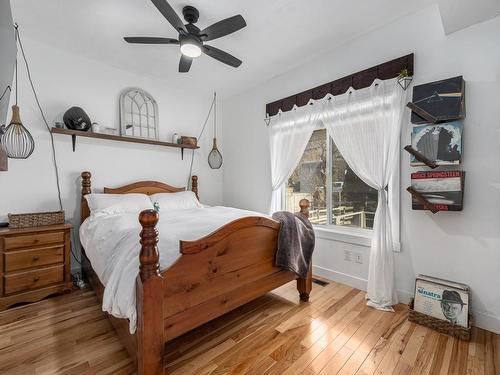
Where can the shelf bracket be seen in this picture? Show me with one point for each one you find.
(73, 141)
(421, 199)
(182, 153)
(424, 114)
(421, 157)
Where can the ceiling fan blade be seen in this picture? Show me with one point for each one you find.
(150, 40)
(185, 64)
(222, 28)
(169, 13)
(222, 56)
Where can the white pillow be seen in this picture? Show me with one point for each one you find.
(175, 201)
(118, 203)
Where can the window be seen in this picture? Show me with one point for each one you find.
(337, 195)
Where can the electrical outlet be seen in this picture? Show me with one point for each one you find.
(347, 256)
(358, 258)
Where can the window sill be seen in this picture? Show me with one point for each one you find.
(361, 237)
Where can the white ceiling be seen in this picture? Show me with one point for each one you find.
(458, 14)
(280, 34)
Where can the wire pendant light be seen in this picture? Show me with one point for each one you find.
(17, 140)
(215, 157)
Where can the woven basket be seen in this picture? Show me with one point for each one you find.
(37, 219)
(442, 326)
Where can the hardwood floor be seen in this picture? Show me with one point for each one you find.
(333, 334)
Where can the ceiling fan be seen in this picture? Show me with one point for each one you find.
(191, 38)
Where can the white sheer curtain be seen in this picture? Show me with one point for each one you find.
(365, 125)
(289, 133)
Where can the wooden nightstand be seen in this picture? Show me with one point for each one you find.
(34, 263)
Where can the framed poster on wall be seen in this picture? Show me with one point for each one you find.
(444, 100)
(442, 299)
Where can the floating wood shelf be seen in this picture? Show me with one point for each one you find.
(111, 137)
(419, 197)
(420, 157)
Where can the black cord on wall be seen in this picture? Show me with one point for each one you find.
(5, 91)
(54, 158)
(199, 137)
(2, 126)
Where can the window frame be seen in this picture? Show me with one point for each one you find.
(353, 235)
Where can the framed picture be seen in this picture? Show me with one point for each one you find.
(444, 100)
(441, 143)
(442, 299)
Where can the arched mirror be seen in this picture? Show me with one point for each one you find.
(138, 114)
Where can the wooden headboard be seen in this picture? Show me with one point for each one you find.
(143, 187)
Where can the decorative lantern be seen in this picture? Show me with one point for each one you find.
(404, 79)
(215, 157)
(17, 140)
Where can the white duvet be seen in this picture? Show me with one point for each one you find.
(111, 242)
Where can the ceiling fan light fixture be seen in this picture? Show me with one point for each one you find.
(191, 38)
(190, 50)
(190, 46)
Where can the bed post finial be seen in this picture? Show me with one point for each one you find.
(149, 257)
(304, 207)
(86, 189)
(194, 185)
(304, 286)
(86, 183)
(149, 296)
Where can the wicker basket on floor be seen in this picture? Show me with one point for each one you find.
(37, 219)
(442, 326)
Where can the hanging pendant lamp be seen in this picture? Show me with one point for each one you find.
(215, 157)
(17, 140)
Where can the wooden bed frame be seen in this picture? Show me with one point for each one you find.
(213, 275)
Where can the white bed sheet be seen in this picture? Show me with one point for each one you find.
(111, 242)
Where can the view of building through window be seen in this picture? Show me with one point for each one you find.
(352, 202)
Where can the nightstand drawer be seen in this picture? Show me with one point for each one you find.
(33, 240)
(28, 280)
(22, 259)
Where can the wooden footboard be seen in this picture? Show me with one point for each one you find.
(220, 272)
(213, 275)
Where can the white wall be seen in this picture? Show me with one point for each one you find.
(463, 246)
(64, 80)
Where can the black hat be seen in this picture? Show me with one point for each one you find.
(75, 118)
(452, 296)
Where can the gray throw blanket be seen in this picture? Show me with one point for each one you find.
(295, 243)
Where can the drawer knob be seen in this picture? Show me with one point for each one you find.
(36, 257)
(36, 278)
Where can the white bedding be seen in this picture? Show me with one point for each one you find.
(111, 242)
